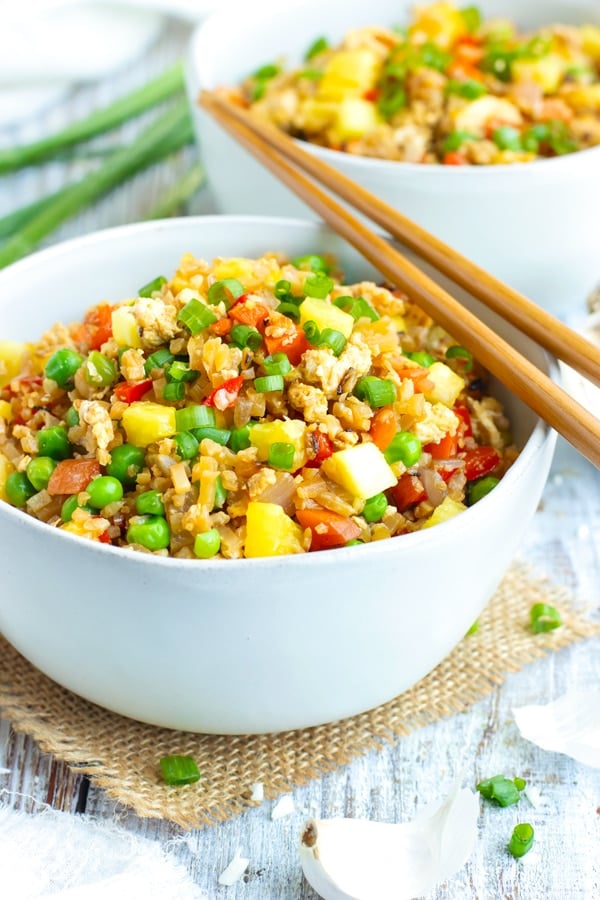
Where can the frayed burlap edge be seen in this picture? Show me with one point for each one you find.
(121, 755)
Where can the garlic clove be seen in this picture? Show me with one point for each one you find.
(569, 725)
(355, 859)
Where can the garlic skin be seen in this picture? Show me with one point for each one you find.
(569, 725)
(355, 859)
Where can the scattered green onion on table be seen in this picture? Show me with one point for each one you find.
(23, 229)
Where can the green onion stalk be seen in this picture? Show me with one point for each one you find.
(169, 133)
(122, 110)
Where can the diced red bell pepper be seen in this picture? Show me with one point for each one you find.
(104, 538)
(328, 528)
(323, 448)
(225, 396)
(480, 461)
(71, 476)
(407, 492)
(129, 393)
(463, 413)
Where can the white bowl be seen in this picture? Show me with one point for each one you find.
(235, 646)
(532, 224)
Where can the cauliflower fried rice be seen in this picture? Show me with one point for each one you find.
(248, 408)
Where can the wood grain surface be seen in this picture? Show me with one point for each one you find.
(392, 784)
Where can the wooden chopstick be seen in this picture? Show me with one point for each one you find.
(524, 379)
(540, 325)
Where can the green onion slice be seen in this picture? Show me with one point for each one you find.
(225, 291)
(173, 390)
(268, 383)
(458, 352)
(196, 316)
(245, 336)
(375, 391)
(500, 790)
(544, 617)
(318, 285)
(312, 332)
(152, 287)
(195, 417)
(333, 339)
(179, 770)
(281, 455)
(158, 360)
(521, 840)
(277, 364)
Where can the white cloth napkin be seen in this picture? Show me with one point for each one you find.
(47, 45)
(57, 856)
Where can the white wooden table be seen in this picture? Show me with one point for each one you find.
(389, 785)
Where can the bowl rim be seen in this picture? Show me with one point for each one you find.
(199, 49)
(540, 438)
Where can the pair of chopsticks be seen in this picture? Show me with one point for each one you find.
(285, 159)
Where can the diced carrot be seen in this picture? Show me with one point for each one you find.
(463, 70)
(383, 427)
(407, 492)
(328, 529)
(250, 312)
(221, 327)
(292, 342)
(96, 328)
(72, 476)
(470, 51)
(419, 375)
(446, 448)
(453, 158)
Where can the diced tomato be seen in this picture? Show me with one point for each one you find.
(323, 449)
(453, 158)
(225, 396)
(221, 327)
(104, 538)
(249, 312)
(292, 342)
(72, 476)
(328, 529)
(463, 413)
(480, 461)
(446, 448)
(383, 427)
(96, 328)
(407, 492)
(129, 393)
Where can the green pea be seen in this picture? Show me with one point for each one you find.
(479, 488)
(54, 442)
(187, 445)
(71, 417)
(99, 369)
(69, 507)
(18, 489)
(405, 448)
(125, 463)
(39, 471)
(62, 365)
(152, 532)
(150, 504)
(104, 490)
(374, 508)
(207, 544)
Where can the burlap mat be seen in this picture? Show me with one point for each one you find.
(121, 755)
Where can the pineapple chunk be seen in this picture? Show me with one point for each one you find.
(590, 40)
(5, 410)
(440, 22)
(355, 117)
(6, 467)
(349, 73)
(286, 431)
(125, 327)
(315, 115)
(362, 470)
(11, 360)
(447, 385)
(252, 273)
(145, 422)
(547, 71)
(270, 532)
(474, 116)
(581, 98)
(326, 315)
(446, 510)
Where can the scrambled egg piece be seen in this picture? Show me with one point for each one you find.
(439, 420)
(157, 320)
(321, 368)
(101, 431)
